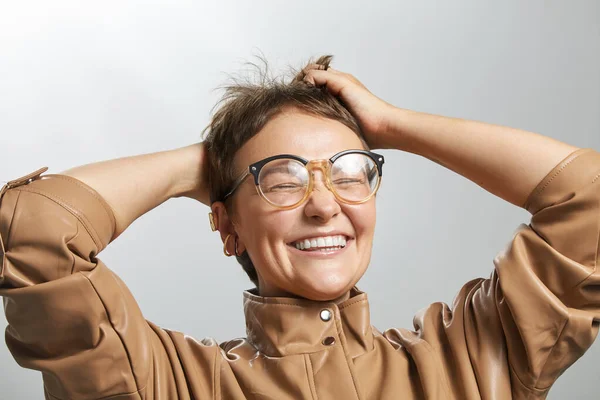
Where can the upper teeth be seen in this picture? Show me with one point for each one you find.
(318, 242)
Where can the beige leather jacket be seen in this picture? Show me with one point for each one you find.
(509, 336)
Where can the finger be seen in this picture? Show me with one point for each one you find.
(313, 66)
(309, 79)
(347, 75)
(334, 82)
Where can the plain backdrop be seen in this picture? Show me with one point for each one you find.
(89, 81)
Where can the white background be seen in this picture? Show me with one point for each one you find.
(89, 81)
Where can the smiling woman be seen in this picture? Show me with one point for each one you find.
(292, 185)
(256, 121)
(283, 271)
(266, 229)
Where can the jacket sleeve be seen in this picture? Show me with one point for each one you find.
(548, 297)
(539, 311)
(69, 316)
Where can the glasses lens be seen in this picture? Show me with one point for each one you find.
(354, 176)
(283, 181)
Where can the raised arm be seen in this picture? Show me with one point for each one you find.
(505, 161)
(69, 315)
(517, 331)
(134, 185)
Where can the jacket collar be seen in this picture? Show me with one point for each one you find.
(281, 326)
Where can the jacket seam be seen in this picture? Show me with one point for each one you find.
(594, 267)
(72, 269)
(351, 303)
(556, 173)
(310, 376)
(177, 352)
(550, 353)
(433, 356)
(347, 357)
(89, 227)
(537, 191)
(251, 298)
(217, 375)
(531, 390)
(273, 303)
(107, 208)
(118, 335)
(12, 218)
(470, 294)
(537, 378)
(552, 349)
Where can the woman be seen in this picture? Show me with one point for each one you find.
(291, 182)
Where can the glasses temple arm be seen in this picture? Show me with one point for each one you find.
(236, 184)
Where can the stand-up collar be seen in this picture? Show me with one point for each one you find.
(280, 326)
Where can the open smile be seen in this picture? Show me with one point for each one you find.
(321, 250)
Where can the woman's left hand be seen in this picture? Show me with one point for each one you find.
(373, 114)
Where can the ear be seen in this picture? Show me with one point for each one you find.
(221, 219)
(224, 224)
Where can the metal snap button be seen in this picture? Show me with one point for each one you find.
(325, 315)
(329, 341)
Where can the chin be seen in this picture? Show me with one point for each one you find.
(330, 288)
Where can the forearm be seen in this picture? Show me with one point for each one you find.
(134, 185)
(506, 162)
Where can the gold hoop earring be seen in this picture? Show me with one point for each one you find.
(227, 253)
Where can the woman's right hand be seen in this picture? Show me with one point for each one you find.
(194, 182)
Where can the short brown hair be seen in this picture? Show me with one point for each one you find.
(244, 110)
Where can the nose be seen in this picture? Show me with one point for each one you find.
(321, 204)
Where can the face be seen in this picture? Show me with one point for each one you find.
(269, 234)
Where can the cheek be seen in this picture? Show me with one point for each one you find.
(280, 226)
(362, 218)
(264, 228)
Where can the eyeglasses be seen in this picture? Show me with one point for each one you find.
(285, 181)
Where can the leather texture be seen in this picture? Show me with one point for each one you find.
(508, 336)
